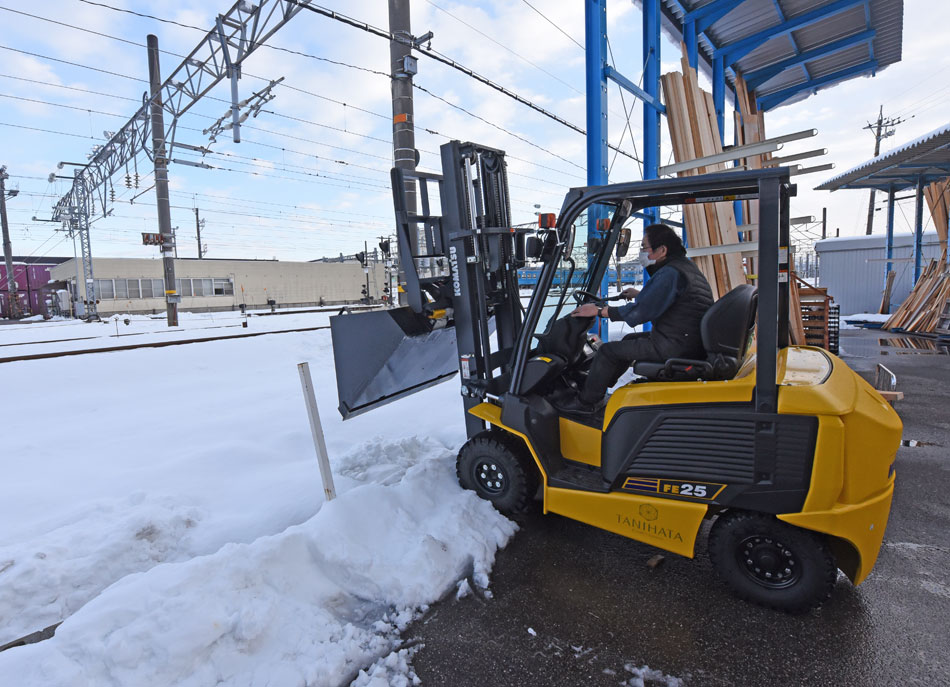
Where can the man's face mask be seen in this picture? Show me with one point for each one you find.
(645, 258)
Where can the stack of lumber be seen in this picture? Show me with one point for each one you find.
(886, 296)
(750, 128)
(796, 327)
(922, 311)
(943, 320)
(694, 133)
(938, 200)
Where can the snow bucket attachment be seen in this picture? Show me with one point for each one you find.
(384, 355)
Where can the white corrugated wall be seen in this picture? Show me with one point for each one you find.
(852, 268)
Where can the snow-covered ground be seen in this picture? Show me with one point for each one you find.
(166, 504)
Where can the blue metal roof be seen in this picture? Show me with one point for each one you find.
(926, 158)
(788, 49)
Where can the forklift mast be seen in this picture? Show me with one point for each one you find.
(460, 258)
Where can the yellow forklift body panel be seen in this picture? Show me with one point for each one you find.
(862, 525)
(670, 393)
(852, 478)
(580, 442)
(852, 481)
(664, 523)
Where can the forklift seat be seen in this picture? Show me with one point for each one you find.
(727, 328)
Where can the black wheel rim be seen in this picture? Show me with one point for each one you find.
(490, 475)
(768, 562)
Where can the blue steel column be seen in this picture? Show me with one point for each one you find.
(651, 84)
(651, 116)
(719, 92)
(918, 227)
(889, 242)
(595, 33)
(689, 37)
(595, 38)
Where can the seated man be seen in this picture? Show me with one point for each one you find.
(674, 299)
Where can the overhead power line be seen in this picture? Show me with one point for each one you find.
(544, 16)
(285, 85)
(326, 126)
(198, 28)
(504, 47)
(74, 64)
(439, 57)
(500, 128)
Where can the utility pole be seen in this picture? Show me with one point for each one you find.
(7, 247)
(887, 126)
(402, 67)
(161, 182)
(198, 230)
(824, 223)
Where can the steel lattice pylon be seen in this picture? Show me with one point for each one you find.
(237, 34)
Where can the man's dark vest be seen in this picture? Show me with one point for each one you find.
(676, 333)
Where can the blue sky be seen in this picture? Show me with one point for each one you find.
(310, 178)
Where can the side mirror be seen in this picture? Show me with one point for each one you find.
(593, 246)
(623, 242)
(532, 247)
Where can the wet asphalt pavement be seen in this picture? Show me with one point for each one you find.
(573, 605)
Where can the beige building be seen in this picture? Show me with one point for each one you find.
(135, 285)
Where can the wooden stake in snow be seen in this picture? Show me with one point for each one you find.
(317, 430)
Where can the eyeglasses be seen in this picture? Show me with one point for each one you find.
(645, 247)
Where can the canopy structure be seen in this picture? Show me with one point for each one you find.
(784, 50)
(787, 49)
(923, 161)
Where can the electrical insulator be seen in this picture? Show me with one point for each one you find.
(128, 181)
(136, 180)
(112, 194)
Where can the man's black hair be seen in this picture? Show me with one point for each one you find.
(664, 235)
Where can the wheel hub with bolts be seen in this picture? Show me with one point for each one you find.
(768, 562)
(490, 476)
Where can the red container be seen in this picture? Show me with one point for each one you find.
(30, 280)
(37, 276)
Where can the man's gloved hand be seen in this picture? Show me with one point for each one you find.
(586, 310)
(630, 293)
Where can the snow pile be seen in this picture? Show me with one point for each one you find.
(395, 670)
(311, 605)
(845, 320)
(641, 674)
(166, 504)
(60, 571)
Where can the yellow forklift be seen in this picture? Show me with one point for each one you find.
(787, 450)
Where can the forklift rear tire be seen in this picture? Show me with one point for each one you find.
(771, 563)
(497, 467)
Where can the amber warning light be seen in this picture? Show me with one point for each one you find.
(547, 220)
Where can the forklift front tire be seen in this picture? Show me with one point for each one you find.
(496, 466)
(771, 563)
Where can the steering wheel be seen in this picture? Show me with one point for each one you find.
(580, 295)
